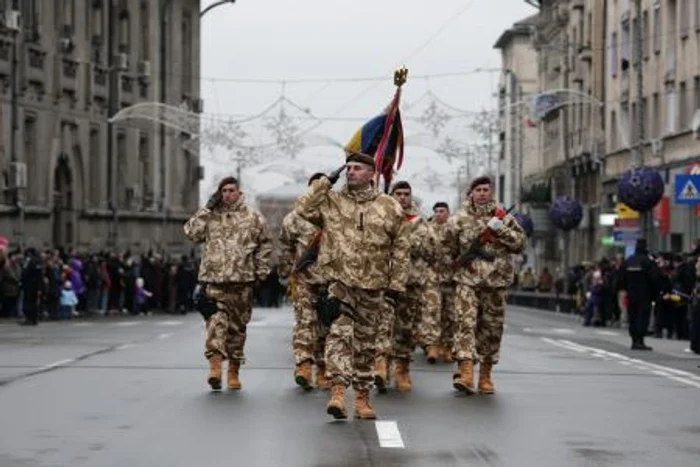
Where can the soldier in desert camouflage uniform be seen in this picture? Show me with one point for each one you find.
(482, 285)
(442, 271)
(410, 306)
(364, 256)
(236, 255)
(308, 339)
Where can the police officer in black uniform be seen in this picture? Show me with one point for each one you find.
(640, 279)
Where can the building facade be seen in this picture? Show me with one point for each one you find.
(670, 71)
(71, 178)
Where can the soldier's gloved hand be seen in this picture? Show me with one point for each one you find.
(495, 224)
(335, 175)
(214, 200)
(391, 297)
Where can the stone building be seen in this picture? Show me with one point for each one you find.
(69, 177)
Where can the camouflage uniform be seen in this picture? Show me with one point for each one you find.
(363, 251)
(480, 295)
(442, 268)
(236, 254)
(411, 305)
(296, 236)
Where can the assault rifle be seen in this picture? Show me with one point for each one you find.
(476, 250)
(309, 256)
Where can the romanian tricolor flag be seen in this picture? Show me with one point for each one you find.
(381, 138)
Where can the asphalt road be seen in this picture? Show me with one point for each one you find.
(132, 392)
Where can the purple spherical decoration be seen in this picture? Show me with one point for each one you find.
(566, 213)
(641, 188)
(525, 222)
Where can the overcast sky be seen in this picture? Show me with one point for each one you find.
(308, 39)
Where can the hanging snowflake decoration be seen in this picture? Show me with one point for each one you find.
(285, 133)
(434, 118)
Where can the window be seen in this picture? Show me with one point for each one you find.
(68, 17)
(625, 123)
(121, 170)
(124, 32)
(94, 159)
(655, 115)
(671, 110)
(633, 42)
(30, 14)
(634, 132)
(186, 53)
(144, 17)
(626, 47)
(683, 119)
(684, 14)
(645, 34)
(613, 54)
(657, 28)
(645, 116)
(30, 139)
(145, 170)
(614, 129)
(696, 89)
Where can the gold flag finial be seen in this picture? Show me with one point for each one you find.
(400, 76)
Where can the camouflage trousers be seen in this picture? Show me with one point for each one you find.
(385, 330)
(480, 318)
(447, 316)
(351, 341)
(308, 336)
(409, 308)
(430, 326)
(226, 330)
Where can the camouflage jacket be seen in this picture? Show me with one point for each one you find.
(296, 236)
(365, 239)
(423, 247)
(465, 226)
(237, 247)
(442, 265)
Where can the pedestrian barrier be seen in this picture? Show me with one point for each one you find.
(543, 301)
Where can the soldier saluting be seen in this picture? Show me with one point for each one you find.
(482, 283)
(363, 254)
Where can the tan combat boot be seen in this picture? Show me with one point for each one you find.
(402, 375)
(233, 381)
(321, 381)
(363, 409)
(432, 354)
(336, 406)
(303, 375)
(214, 379)
(485, 383)
(465, 381)
(381, 377)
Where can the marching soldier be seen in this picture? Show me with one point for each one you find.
(483, 237)
(308, 341)
(236, 255)
(443, 328)
(410, 306)
(363, 252)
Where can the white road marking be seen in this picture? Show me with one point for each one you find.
(57, 364)
(164, 335)
(169, 323)
(673, 374)
(126, 323)
(388, 434)
(550, 330)
(125, 346)
(606, 333)
(83, 325)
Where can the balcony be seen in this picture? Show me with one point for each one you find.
(69, 74)
(99, 80)
(36, 60)
(127, 86)
(5, 56)
(670, 66)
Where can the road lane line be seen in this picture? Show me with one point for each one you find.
(606, 333)
(124, 346)
(169, 323)
(126, 323)
(165, 335)
(57, 364)
(388, 434)
(673, 374)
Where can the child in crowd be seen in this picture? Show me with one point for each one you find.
(141, 298)
(68, 301)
